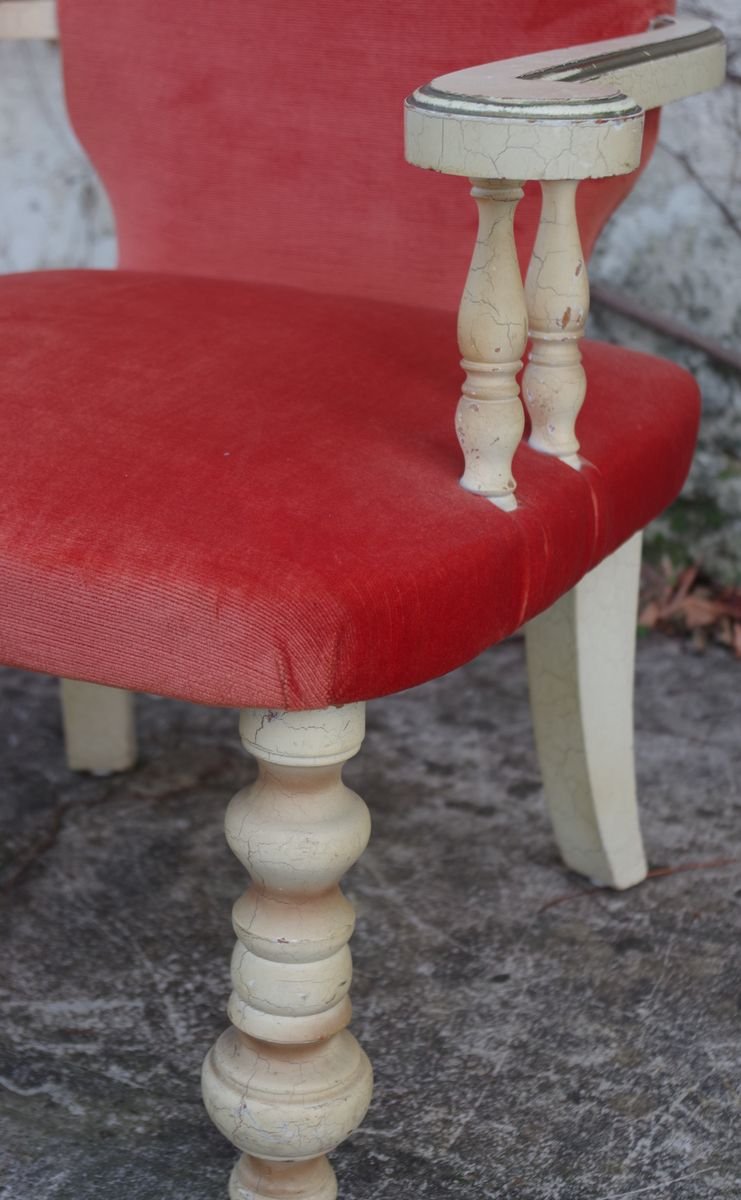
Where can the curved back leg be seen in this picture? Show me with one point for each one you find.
(580, 657)
(99, 731)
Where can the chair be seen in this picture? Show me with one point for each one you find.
(231, 471)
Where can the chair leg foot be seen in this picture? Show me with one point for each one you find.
(258, 1179)
(581, 659)
(99, 729)
(288, 1082)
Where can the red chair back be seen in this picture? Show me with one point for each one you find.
(263, 140)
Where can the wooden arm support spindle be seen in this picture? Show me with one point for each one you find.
(557, 291)
(492, 335)
(558, 116)
(288, 1082)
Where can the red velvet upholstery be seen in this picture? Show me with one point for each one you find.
(243, 490)
(262, 139)
(248, 495)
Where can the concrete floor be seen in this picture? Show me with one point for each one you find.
(586, 1051)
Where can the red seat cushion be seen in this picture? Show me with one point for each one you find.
(245, 494)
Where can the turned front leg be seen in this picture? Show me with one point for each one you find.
(492, 335)
(288, 1082)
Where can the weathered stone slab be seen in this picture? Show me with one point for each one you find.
(584, 1051)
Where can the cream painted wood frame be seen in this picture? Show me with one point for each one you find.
(28, 19)
(287, 1082)
(557, 117)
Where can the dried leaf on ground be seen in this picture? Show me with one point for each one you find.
(688, 603)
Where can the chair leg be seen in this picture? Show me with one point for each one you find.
(288, 1082)
(99, 730)
(581, 657)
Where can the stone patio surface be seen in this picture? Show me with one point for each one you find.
(584, 1050)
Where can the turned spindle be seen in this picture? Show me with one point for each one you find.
(492, 335)
(557, 293)
(288, 1082)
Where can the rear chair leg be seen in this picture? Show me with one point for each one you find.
(288, 1081)
(581, 657)
(99, 731)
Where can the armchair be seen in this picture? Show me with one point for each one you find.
(230, 466)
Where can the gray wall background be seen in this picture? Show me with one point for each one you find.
(674, 246)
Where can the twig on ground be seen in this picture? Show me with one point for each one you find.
(655, 873)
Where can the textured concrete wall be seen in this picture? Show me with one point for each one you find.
(675, 246)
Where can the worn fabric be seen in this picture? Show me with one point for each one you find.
(248, 495)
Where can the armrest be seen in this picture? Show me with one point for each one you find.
(565, 114)
(28, 19)
(557, 117)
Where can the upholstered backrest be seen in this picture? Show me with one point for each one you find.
(262, 139)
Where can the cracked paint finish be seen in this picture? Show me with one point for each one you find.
(557, 117)
(323, 736)
(492, 335)
(54, 210)
(564, 114)
(485, 148)
(578, 1052)
(580, 665)
(288, 1081)
(557, 292)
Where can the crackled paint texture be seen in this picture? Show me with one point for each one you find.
(583, 1051)
(557, 291)
(541, 131)
(288, 1080)
(492, 335)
